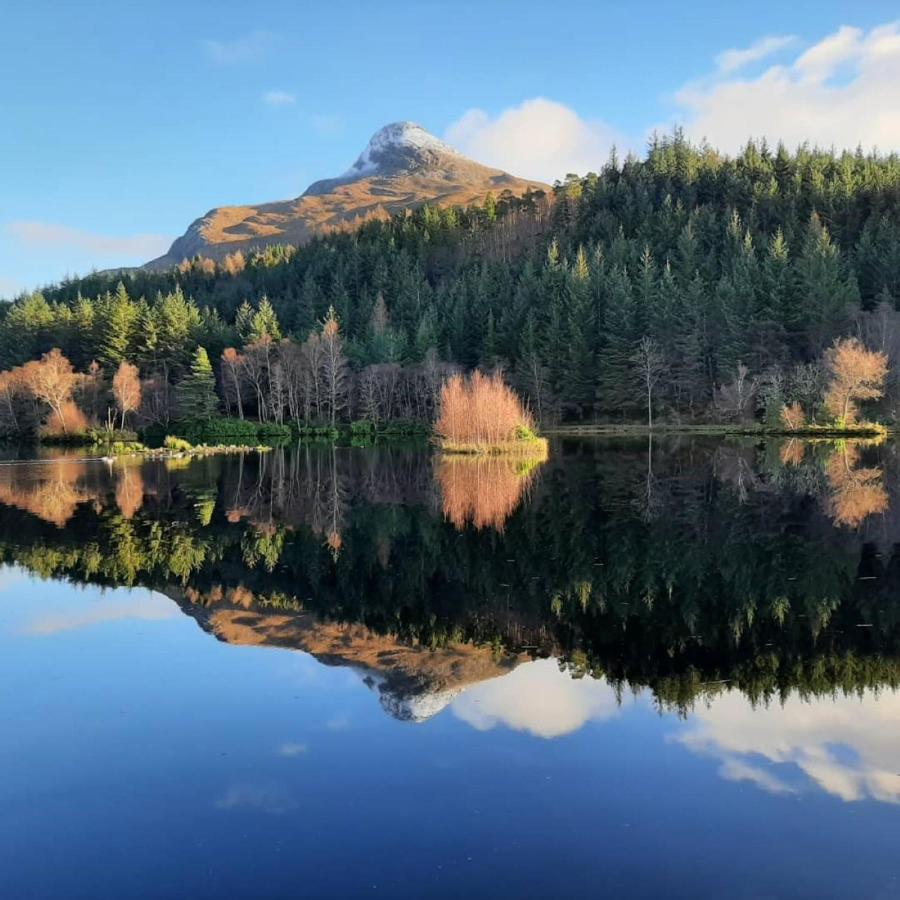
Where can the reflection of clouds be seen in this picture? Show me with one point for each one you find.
(11, 576)
(847, 746)
(738, 770)
(113, 607)
(265, 798)
(292, 749)
(536, 697)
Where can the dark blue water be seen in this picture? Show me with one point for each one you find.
(150, 749)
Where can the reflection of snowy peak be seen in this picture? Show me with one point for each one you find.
(412, 682)
(412, 705)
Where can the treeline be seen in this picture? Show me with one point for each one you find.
(740, 271)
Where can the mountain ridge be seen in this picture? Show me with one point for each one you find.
(402, 167)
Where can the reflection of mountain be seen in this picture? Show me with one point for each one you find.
(740, 575)
(413, 682)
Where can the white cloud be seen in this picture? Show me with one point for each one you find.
(845, 746)
(735, 58)
(538, 698)
(46, 234)
(278, 98)
(841, 92)
(244, 48)
(539, 139)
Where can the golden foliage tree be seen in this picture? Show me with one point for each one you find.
(856, 375)
(126, 389)
(792, 416)
(51, 380)
(481, 410)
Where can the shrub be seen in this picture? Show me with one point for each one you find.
(176, 443)
(481, 410)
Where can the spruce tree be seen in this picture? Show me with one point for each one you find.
(196, 392)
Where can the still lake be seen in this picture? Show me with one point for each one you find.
(631, 671)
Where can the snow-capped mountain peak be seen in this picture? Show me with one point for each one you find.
(391, 138)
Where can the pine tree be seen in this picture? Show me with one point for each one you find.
(617, 390)
(578, 385)
(264, 322)
(115, 325)
(243, 323)
(196, 392)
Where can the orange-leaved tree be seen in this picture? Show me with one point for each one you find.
(51, 379)
(481, 410)
(126, 389)
(856, 374)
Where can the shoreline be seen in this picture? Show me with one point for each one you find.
(869, 431)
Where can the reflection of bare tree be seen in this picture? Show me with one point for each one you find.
(792, 452)
(855, 492)
(649, 502)
(482, 490)
(735, 465)
(313, 486)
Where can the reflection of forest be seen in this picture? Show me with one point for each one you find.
(756, 567)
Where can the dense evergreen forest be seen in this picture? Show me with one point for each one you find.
(727, 278)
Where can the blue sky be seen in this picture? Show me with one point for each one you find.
(122, 122)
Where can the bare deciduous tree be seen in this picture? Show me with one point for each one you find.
(333, 366)
(649, 365)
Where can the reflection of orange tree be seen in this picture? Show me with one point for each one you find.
(483, 490)
(51, 492)
(792, 452)
(129, 489)
(855, 492)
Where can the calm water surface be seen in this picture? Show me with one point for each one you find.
(628, 672)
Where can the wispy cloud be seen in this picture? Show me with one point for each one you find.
(47, 234)
(147, 607)
(243, 48)
(736, 58)
(278, 98)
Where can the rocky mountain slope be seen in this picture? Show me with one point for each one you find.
(402, 167)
